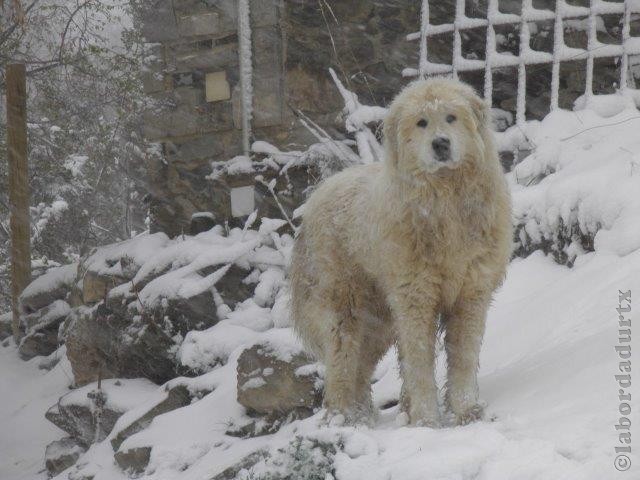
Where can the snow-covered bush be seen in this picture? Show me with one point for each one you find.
(86, 151)
(302, 458)
(571, 195)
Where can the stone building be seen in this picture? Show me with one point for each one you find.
(194, 79)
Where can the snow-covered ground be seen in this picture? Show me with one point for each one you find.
(547, 371)
(547, 374)
(26, 392)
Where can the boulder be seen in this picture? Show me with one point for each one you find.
(201, 222)
(89, 338)
(54, 285)
(61, 455)
(75, 412)
(120, 338)
(187, 313)
(48, 363)
(6, 330)
(42, 343)
(133, 460)
(269, 383)
(95, 286)
(103, 343)
(232, 287)
(42, 330)
(78, 421)
(177, 397)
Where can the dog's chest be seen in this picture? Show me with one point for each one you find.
(455, 231)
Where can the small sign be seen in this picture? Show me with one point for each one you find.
(242, 201)
(217, 86)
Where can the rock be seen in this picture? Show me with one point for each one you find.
(160, 22)
(201, 222)
(47, 288)
(61, 455)
(74, 412)
(95, 286)
(78, 421)
(49, 363)
(231, 287)
(119, 337)
(42, 343)
(246, 463)
(269, 384)
(125, 346)
(52, 314)
(74, 299)
(89, 338)
(6, 330)
(266, 425)
(133, 460)
(128, 267)
(177, 397)
(42, 330)
(188, 313)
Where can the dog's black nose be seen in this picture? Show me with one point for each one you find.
(442, 148)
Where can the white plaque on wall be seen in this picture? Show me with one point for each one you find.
(242, 201)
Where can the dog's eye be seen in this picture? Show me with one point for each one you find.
(422, 123)
(451, 118)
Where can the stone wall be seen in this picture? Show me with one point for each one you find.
(193, 79)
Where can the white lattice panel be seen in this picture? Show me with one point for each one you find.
(527, 55)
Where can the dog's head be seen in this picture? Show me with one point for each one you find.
(434, 126)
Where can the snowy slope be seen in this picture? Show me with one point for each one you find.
(547, 374)
(25, 395)
(547, 366)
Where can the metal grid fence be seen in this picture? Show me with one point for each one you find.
(528, 56)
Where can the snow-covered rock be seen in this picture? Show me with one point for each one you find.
(6, 330)
(133, 461)
(152, 292)
(76, 412)
(41, 327)
(272, 384)
(53, 285)
(577, 191)
(101, 343)
(61, 455)
(139, 419)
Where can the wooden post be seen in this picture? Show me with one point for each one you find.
(16, 89)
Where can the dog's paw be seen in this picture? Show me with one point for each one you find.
(402, 419)
(470, 415)
(349, 418)
(333, 418)
(427, 422)
(425, 419)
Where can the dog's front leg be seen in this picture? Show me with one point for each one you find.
(464, 329)
(414, 308)
(341, 362)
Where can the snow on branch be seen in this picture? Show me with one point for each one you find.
(358, 116)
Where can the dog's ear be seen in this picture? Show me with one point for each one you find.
(480, 110)
(390, 132)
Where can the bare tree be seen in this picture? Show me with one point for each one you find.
(87, 152)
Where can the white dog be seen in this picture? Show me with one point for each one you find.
(393, 251)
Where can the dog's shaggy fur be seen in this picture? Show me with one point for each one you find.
(393, 251)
